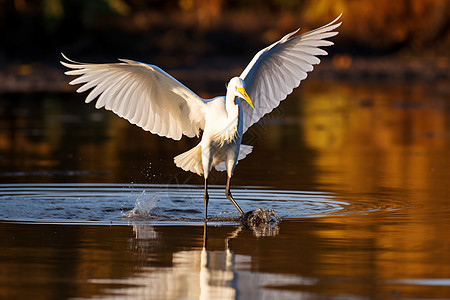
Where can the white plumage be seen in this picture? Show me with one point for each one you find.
(149, 97)
(143, 94)
(279, 68)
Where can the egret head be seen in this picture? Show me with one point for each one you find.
(237, 86)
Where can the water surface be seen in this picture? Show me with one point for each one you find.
(119, 203)
(93, 207)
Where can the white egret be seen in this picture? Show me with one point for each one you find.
(147, 96)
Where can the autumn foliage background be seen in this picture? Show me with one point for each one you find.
(217, 34)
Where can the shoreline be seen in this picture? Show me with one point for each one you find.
(43, 77)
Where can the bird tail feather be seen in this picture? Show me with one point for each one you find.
(243, 152)
(191, 160)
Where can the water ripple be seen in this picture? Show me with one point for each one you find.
(119, 203)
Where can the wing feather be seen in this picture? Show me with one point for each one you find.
(158, 125)
(310, 51)
(104, 96)
(143, 94)
(277, 69)
(123, 105)
(125, 90)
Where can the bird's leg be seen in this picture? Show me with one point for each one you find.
(205, 234)
(228, 194)
(206, 198)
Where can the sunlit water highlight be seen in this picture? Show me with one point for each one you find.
(120, 203)
(376, 226)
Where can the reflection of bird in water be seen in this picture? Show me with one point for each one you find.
(147, 96)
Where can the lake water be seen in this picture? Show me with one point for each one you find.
(359, 174)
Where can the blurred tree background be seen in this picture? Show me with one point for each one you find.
(187, 33)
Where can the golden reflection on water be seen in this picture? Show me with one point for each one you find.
(391, 137)
(384, 146)
(362, 137)
(357, 256)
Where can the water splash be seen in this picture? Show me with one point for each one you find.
(118, 203)
(145, 206)
(263, 222)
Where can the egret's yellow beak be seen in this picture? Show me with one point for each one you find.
(246, 97)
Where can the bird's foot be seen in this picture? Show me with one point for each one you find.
(234, 203)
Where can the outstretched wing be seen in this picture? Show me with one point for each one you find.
(276, 70)
(143, 94)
